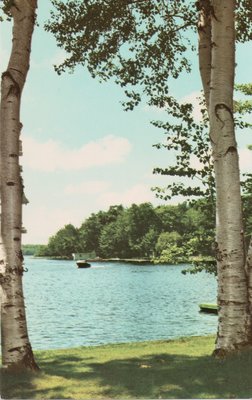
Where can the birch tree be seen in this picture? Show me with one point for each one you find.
(16, 348)
(217, 64)
(143, 44)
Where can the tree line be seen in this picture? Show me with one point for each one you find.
(162, 234)
(167, 233)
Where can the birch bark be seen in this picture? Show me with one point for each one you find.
(234, 320)
(16, 348)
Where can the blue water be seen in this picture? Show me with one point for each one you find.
(113, 302)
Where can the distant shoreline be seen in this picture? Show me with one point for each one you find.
(135, 261)
(99, 259)
(124, 260)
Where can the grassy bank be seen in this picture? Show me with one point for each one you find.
(182, 368)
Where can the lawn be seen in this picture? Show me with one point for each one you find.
(182, 368)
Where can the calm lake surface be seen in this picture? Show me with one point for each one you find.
(113, 302)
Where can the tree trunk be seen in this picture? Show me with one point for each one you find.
(16, 349)
(234, 320)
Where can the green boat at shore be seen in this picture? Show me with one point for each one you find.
(208, 308)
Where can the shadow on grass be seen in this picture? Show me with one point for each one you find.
(11, 383)
(150, 376)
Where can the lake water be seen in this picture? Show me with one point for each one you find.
(113, 302)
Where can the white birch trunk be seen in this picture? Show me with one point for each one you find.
(16, 348)
(234, 321)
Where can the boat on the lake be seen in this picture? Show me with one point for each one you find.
(82, 259)
(83, 264)
(209, 308)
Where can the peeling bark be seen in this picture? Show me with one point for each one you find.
(234, 319)
(16, 349)
(216, 63)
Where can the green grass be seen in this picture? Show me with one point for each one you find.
(182, 368)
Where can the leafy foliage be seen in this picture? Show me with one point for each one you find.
(247, 206)
(189, 141)
(243, 21)
(139, 43)
(169, 234)
(31, 249)
(5, 10)
(62, 244)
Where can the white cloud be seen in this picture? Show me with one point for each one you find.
(138, 193)
(89, 187)
(51, 155)
(44, 221)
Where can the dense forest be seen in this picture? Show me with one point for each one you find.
(163, 234)
(166, 233)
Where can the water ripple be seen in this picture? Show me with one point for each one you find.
(112, 303)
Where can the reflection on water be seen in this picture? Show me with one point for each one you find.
(113, 302)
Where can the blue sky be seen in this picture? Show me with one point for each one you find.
(82, 152)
